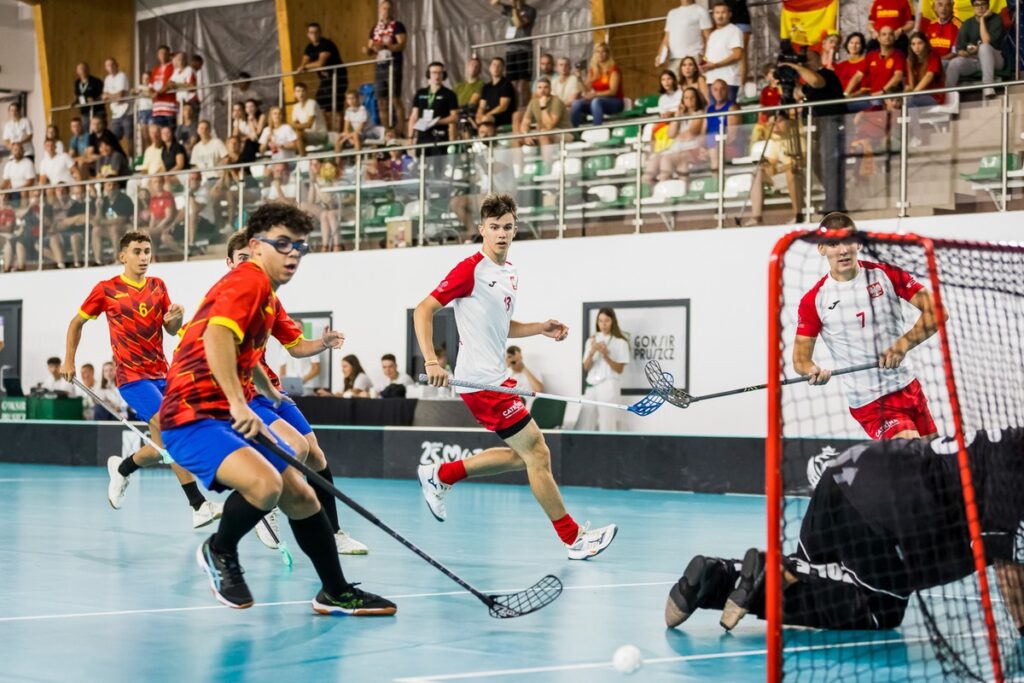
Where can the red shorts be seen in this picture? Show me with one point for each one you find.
(897, 412)
(496, 411)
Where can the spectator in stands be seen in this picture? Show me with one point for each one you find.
(319, 203)
(165, 104)
(497, 100)
(770, 96)
(354, 128)
(199, 96)
(144, 105)
(519, 55)
(305, 369)
(687, 148)
(740, 18)
(851, 70)
(278, 138)
(54, 381)
(524, 377)
(979, 45)
(434, 109)
(686, 31)
(19, 172)
(242, 91)
(820, 84)
(923, 71)
(208, 152)
(723, 57)
(87, 376)
(883, 73)
(668, 103)
(88, 93)
(115, 87)
(69, 224)
(250, 129)
(729, 125)
(356, 383)
(691, 77)
(546, 69)
(895, 14)
(152, 158)
(186, 133)
(322, 52)
(79, 140)
(565, 85)
(110, 396)
(55, 167)
(111, 162)
(392, 377)
(113, 217)
(603, 93)
(53, 133)
(183, 79)
(98, 132)
(172, 154)
(468, 91)
(942, 31)
(604, 360)
(830, 50)
(307, 119)
(163, 214)
(547, 113)
(18, 128)
(779, 157)
(387, 42)
(280, 188)
(201, 210)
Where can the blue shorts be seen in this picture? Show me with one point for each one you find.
(144, 396)
(289, 412)
(201, 446)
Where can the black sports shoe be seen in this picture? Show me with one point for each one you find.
(704, 577)
(225, 574)
(353, 602)
(748, 585)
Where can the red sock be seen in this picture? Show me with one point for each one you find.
(451, 472)
(567, 529)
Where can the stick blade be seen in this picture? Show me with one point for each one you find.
(662, 383)
(537, 596)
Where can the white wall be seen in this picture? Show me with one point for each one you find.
(723, 273)
(19, 62)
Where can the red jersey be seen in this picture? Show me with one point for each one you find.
(135, 317)
(934, 66)
(847, 69)
(880, 69)
(770, 97)
(164, 104)
(242, 301)
(286, 331)
(942, 37)
(891, 13)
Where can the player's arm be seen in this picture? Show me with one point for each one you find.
(304, 348)
(74, 338)
(925, 327)
(222, 356)
(549, 328)
(803, 363)
(265, 387)
(423, 323)
(174, 318)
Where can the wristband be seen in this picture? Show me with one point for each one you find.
(430, 362)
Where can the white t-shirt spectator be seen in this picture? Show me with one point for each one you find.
(309, 111)
(357, 118)
(684, 26)
(59, 384)
(184, 77)
(115, 83)
(362, 382)
(669, 102)
(523, 382)
(282, 135)
(57, 168)
(403, 379)
(565, 90)
(20, 131)
(600, 371)
(207, 155)
(300, 367)
(20, 173)
(58, 148)
(720, 45)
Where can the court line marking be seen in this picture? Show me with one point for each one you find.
(493, 673)
(199, 608)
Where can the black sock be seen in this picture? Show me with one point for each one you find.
(127, 466)
(239, 518)
(316, 539)
(327, 503)
(194, 495)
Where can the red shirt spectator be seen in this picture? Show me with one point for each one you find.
(880, 69)
(771, 96)
(161, 204)
(892, 13)
(941, 36)
(921, 62)
(849, 68)
(164, 103)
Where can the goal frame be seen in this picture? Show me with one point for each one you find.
(773, 443)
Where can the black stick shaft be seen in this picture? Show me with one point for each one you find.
(369, 516)
(791, 380)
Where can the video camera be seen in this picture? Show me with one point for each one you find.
(786, 75)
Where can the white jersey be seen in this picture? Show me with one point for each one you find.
(483, 295)
(858, 320)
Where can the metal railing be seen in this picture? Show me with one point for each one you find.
(440, 175)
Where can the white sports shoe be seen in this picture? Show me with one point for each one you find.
(118, 484)
(434, 490)
(348, 545)
(264, 534)
(207, 512)
(590, 543)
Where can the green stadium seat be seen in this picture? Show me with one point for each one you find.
(593, 166)
(627, 193)
(620, 136)
(382, 212)
(699, 188)
(988, 168)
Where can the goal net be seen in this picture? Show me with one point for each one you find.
(872, 567)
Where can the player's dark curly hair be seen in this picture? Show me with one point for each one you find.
(273, 214)
(237, 241)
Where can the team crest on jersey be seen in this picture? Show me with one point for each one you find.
(875, 290)
(515, 282)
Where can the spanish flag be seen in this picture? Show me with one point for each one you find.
(807, 22)
(962, 9)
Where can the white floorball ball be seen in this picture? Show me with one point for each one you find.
(627, 659)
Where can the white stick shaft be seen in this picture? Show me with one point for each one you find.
(113, 411)
(526, 393)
